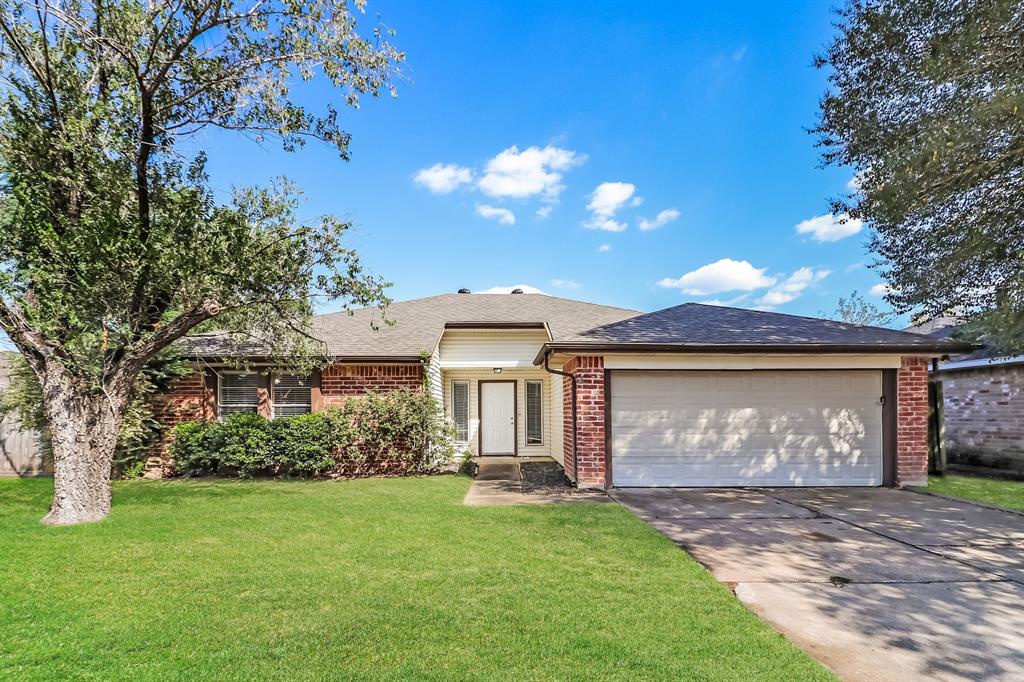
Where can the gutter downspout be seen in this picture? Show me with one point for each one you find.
(572, 380)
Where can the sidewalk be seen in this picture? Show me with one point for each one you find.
(499, 482)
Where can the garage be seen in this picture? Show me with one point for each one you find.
(745, 428)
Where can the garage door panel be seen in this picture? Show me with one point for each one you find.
(746, 428)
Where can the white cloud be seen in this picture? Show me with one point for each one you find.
(730, 302)
(739, 53)
(565, 284)
(854, 183)
(544, 211)
(527, 289)
(606, 199)
(636, 201)
(880, 289)
(604, 248)
(792, 287)
(662, 219)
(606, 224)
(443, 178)
(533, 171)
(722, 275)
(502, 215)
(854, 266)
(830, 227)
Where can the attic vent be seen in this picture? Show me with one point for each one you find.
(463, 291)
(517, 291)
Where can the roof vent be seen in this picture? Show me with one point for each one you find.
(517, 291)
(463, 291)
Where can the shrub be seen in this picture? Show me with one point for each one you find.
(196, 448)
(400, 432)
(302, 445)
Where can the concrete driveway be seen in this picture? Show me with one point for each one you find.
(877, 584)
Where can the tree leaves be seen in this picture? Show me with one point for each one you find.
(925, 104)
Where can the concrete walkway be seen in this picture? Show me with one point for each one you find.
(877, 584)
(500, 482)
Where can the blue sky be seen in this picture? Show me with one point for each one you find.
(584, 122)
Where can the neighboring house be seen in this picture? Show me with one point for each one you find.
(983, 404)
(693, 395)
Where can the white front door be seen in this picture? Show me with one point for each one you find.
(497, 418)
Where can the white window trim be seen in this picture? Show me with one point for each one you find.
(273, 394)
(220, 385)
(468, 402)
(540, 417)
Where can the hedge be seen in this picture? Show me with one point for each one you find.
(399, 432)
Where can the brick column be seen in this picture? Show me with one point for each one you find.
(589, 454)
(912, 421)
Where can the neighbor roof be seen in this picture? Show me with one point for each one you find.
(700, 327)
(419, 323)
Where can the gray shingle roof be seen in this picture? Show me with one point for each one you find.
(695, 325)
(418, 324)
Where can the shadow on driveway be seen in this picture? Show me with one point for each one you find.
(878, 584)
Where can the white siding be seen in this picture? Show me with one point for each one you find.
(489, 348)
(551, 444)
(749, 362)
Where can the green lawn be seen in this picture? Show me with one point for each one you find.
(1001, 493)
(379, 579)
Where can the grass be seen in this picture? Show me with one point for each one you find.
(371, 579)
(995, 491)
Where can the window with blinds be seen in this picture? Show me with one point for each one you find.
(290, 395)
(460, 410)
(237, 393)
(534, 419)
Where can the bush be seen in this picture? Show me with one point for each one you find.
(400, 432)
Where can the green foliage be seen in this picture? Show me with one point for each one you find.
(467, 465)
(926, 104)
(858, 310)
(399, 431)
(112, 243)
(140, 428)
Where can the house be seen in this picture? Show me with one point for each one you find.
(983, 404)
(692, 395)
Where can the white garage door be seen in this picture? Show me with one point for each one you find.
(746, 428)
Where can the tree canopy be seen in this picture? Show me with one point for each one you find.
(926, 104)
(112, 243)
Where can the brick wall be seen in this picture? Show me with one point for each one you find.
(338, 383)
(187, 400)
(589, 455)
(984, 414)
(191, 398)
(912, 421)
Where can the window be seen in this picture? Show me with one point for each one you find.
(460, 410)
(237, 393)
(290, 395)
(533, 412)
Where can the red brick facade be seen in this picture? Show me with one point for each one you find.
(341, 382)
(912, 421)
(194, 397)
(188, 400)
(589, 454)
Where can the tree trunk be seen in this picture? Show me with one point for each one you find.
(83, 430)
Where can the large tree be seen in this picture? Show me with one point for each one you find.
(926, 104)
(113, 245)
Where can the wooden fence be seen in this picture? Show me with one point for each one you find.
(20, 451)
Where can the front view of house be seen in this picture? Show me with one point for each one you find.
(693, 395)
